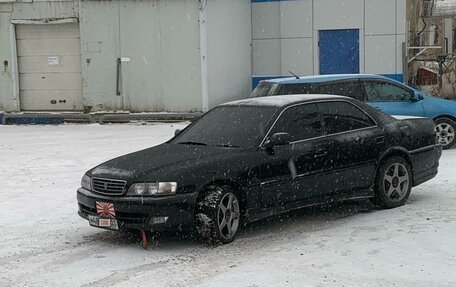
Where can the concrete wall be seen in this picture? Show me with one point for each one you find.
(228, 37)
(285, 34)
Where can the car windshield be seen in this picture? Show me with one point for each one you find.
(229, 126)
(263, 89)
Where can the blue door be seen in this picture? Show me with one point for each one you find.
(339, 51)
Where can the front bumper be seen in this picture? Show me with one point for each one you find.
(136, 212)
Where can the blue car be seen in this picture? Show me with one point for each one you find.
(385, 94)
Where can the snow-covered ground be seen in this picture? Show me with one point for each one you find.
(43, 242)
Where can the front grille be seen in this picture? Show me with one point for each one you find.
(108, 186)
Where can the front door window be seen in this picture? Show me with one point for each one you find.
(301, 122)
(386, 92)
(392, 99)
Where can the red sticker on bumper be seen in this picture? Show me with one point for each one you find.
(106, 209)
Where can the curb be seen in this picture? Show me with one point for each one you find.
(32, 120)
(163, 117)
(57, 119)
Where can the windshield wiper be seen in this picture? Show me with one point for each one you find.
(227, 145)
(192, 143)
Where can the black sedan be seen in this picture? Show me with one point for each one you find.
(250, 159)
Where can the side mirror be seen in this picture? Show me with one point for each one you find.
(417, 97)
(176, 132)
(277, 139)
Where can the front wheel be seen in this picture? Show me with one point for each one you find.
(218, 215)
(393, 183)
(445, 131)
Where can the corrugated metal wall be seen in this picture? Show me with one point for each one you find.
(10, 12)
(172, 59)
(160, 39)
(159, 42)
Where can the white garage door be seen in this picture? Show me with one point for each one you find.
(49, 60)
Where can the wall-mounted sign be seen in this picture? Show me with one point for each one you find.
(53, 61)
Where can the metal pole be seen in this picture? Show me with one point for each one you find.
(405, 71)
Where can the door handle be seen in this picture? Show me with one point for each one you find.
(118, 79)
(405, 130)
(320, 152)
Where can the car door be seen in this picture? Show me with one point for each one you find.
(392, 98)
(289, 172)
(356, 143)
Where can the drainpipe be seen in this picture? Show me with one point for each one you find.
(203, 55)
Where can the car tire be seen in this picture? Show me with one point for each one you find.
(218, 215)
(445, 130)
(393, 183)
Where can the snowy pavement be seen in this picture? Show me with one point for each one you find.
(43, 242)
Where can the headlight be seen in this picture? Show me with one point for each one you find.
(152, 188)
(86, 182)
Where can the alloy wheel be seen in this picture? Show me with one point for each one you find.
(228, 216)
(445, 133)
(396, 181)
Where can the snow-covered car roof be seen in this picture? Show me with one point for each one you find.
(280, 101)
(325, 78)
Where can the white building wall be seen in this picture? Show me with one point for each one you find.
(285, 34)
(384, 35)
(228, 46)
(282, 37)
(296, 37)
(336, 14)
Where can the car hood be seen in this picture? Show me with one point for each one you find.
(161, 162)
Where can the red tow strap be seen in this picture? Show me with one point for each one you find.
(144, 241)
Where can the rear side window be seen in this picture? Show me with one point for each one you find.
(348, 89)
(301, 122)
(294, 89)
(341, 116)
(263, 89)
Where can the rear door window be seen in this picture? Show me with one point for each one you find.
(349, 89)
(294, 89)
(341, 116)
(301, 122)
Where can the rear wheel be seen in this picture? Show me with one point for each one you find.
(393, 183)
(218, 215)
(445, 130)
